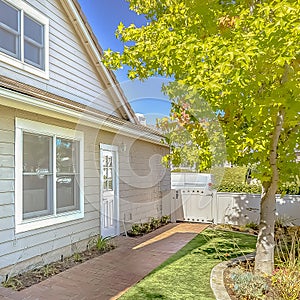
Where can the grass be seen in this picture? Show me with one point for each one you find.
(186, 275)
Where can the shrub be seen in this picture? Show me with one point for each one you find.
(287, 249)
(285, 282)
(239, 188)
(286, 277)
(290, 188)
(234, 175)
(233, 180)
(248, 286)
(143, 228)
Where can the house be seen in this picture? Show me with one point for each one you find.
(141, 118)
(74, 161)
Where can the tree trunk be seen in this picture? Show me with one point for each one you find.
(264, 259)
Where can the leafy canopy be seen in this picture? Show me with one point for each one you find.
(242, 58)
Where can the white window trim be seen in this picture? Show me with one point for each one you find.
(39, 222)
(20, 64)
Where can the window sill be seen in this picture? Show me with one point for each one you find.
(24, 66)
(47, 221)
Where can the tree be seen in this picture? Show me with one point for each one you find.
(241, 57)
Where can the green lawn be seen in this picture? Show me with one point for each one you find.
(186, 275)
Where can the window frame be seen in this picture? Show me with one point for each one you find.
(26, 9)
(23, 225)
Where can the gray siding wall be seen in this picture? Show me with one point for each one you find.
(71, 73)
(140, 196)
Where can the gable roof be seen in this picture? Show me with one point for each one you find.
(94, 50)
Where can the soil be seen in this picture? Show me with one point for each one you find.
(29, 278)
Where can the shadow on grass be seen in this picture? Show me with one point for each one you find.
(215, 245)
(186, 274)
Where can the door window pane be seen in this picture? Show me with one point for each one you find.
(107, 172)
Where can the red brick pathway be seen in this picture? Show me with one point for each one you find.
(109, 275)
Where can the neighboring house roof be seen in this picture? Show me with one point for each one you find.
(90, 42)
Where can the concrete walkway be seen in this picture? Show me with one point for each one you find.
(110, 275)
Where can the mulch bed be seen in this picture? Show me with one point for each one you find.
(29, 278)
(144, 230)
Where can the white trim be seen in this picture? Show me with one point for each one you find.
(20, 64)
(32, 104)
(114, 150)
(108, 147)
(97, 55)
(36, 127)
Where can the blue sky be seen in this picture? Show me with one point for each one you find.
(104, 17)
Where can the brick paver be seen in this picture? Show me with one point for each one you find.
(110, 275)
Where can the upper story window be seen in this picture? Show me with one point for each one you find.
(24, 35)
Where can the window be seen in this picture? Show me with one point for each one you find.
(107, 171)
(24, 34)
(49, 175)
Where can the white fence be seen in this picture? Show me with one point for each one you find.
(196, 205)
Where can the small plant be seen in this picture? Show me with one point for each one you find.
(136, 229)
(248, 286)
(285, 282)
(13, 283)
(165, 219)
(252, 225)
(103, 244)
(77, 257)
(154, 223)
(283, 222)
(146, 227)
(287, 247)
(48, 270)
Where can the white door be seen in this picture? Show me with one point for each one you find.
(109, 191)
